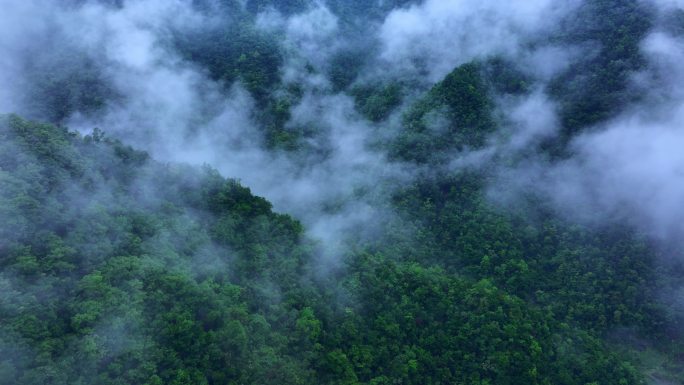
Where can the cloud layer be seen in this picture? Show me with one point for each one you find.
(628, 168)
(437, 35)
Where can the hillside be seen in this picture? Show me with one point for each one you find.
(341, 192)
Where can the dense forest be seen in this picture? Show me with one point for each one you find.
(201, 192)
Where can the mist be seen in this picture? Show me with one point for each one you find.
(436, 36)
(625, 170)
(154, 98)
(513, 166)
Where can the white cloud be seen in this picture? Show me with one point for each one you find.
(441, 34)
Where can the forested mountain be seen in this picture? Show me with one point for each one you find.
(341, 192)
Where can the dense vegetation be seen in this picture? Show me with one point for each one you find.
(118, 269)
(169, 276)
(597, 88)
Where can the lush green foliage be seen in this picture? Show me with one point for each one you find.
(456, 114)
(599, 87)
(235, 51)
(120, 270)
(116, 269)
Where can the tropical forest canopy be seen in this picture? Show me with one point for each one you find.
(341, 192)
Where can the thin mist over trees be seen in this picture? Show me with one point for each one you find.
(341, 192)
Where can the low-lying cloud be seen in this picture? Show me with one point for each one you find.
(627, 168)
(437, 35)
